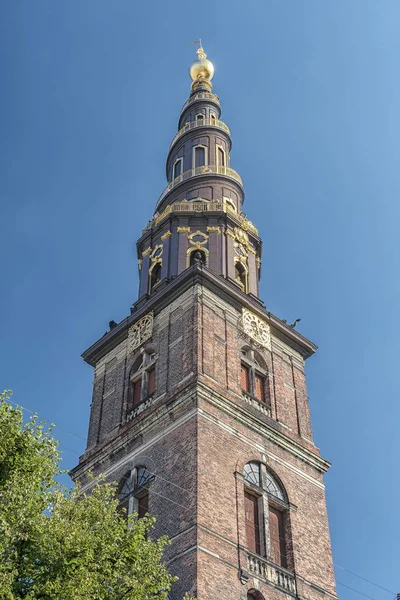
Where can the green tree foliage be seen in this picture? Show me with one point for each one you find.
(59, 544)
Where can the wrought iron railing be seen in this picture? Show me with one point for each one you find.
(206, 170)
(203, 206)
(256, 403)
(201, 123)
(273, 573)
(201, 96)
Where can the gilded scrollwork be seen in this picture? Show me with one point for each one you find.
(256, 328)
(140, 331)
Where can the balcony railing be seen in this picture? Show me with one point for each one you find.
(206, 170)
(272, 573)
(201, 123)
(201, 96)
(203, 206)
(261, 406)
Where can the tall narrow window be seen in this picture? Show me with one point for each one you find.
(259, 392)
(151, 383)
(177, 170)
(124, 494)
(137, 392)
(143, 505)
(199, 156)
(241, 276)
(252, 522)
(213, 119)
(155, 276)
(142, 381)
(277, 536)
(245, 378)
(143, 478)
(220, 157)
(200, 119)
(258, 381)
(260, 482)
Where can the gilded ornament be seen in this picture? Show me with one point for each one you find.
(201, 68)
(215, 229)
(256, 328)
(156, 253)
(146, 252)
(140, 332)
(199, 234)
(183, 229)
(166, 235)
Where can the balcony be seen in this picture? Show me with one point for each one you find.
(257, 404)
(200, 123)
(201, 96)
(200, 207)
(279, 576)
(200, 171)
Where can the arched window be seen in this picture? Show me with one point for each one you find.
(241, 276)
(199, 156)
(142, 380)
(124, 493)
(133, 492)
(220, 156)
(177, 168)
(213, 119)
(200, 119)
(141, 492)
(254, 376)
(254, 595)
(197, 256)
(155, 275)
(265, 536)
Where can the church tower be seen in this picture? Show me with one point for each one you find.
(200, 408)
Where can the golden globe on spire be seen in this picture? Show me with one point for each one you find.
(201, 68)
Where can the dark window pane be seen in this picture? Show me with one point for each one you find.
(252, 522)
(152, 382)
(200, 157)
(137, 392)
(221, 157)
(277, 536)
(245, 379)
(177, 169)
(260, 385)
(143, 507)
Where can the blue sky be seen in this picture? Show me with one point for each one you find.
(91, 93)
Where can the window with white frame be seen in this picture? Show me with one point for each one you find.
(133, 492)
(221, 159)
(254, 375)
(177, 168)
(200, 156)
(142, 382)
(266, 514)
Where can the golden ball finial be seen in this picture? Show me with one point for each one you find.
(201, 67)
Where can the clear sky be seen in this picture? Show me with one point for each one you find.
(91, 93)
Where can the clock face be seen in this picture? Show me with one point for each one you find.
(140, 332)
(256, 328)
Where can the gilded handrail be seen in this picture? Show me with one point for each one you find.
(206, 170)
(201, 123)
(203, 206)
(200, 96)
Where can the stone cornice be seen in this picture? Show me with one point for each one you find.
(165, 294)
(246, 418)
